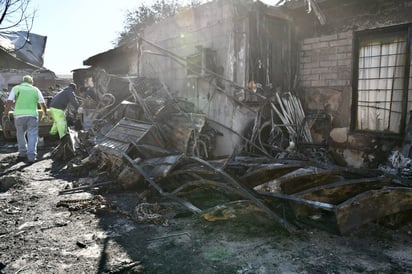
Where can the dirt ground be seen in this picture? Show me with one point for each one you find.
(41, 232)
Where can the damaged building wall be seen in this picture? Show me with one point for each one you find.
(19, 58)
(210, 26)
(43, 79)
(122, 60)
(328, 74)
(217, 36)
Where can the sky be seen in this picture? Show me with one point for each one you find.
(79, 29)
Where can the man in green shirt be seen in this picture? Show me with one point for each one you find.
(25, 98)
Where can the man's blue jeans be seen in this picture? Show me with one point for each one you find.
(27, 126)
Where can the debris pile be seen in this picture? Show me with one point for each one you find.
(142, 137)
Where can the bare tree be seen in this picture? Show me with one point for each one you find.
(16, 14)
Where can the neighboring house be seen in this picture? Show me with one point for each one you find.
(348, 61)
(21, 53)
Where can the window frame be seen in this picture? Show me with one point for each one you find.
(358, 38)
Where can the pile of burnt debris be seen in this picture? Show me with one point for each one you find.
(144, 137)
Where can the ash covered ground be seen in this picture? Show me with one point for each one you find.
(47, 230)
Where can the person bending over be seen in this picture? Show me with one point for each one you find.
(58, 106)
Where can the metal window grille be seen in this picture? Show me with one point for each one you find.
(381, 86)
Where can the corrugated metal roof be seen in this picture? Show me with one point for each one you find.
(26, 47)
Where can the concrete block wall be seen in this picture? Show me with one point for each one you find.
(209, 25)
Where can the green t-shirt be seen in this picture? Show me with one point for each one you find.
(26, 97)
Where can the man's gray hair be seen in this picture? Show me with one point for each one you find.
(28, 79)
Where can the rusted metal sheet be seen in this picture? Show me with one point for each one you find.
(372, 205)
(119, 139)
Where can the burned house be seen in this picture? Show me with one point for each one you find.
(327, 79)
(202, 55)
(354, 64)
(230, 58)
(21, 53)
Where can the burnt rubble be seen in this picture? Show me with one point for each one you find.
(142, 137)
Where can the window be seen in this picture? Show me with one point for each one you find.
(382, 97)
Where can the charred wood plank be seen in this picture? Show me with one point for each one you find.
(209, 183)
(266, 173)
(339, 192)
(242, 137)
(372, 205)
(302, 179)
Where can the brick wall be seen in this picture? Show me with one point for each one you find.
(326, 61)
(326, 68)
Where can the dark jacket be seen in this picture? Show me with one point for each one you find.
(63, 98)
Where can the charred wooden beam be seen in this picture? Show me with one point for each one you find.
(339, 192)
(209, 183)
(333, 194)
(297, 182)
(266, 173)
(297, 200)
(372, 205)
(150, 180)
